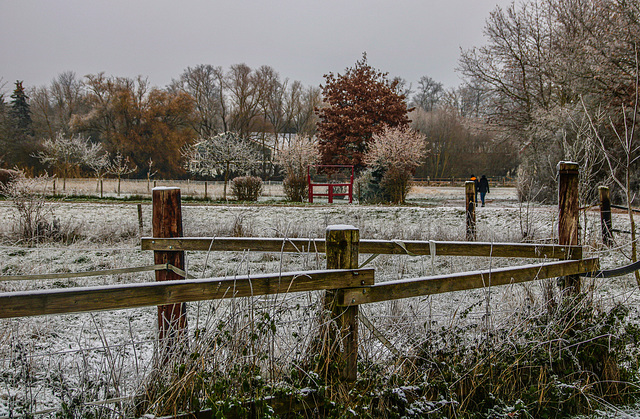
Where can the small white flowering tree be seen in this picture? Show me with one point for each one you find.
(295, 158)
(393, 156)
(64, 153)
(220, 155)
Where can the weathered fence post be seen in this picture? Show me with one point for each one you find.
(206, 185)
(605, 215)
(140, 222)
(470, 205)
(568, 215)
(342, 250)
(167, 222)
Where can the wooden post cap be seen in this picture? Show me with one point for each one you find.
(164, 188)
(567, 166)
(340, 227)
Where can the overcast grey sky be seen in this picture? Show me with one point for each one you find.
(301, 39)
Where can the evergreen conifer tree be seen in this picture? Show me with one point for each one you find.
(3, 129)
(20, 112)
(18, 142)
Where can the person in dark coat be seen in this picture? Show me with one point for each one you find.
(483, 188)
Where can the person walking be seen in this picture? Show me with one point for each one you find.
(483, 188)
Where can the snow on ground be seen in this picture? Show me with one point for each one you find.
(48, 360)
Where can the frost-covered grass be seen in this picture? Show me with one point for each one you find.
(260, 345)
(142, 188)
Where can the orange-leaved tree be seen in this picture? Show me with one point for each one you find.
(358, 104)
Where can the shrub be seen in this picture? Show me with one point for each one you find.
(295, 157)
(296, 188)
(368, 187)
(395, 152)
(247, 188)
(35, 221)
(554, 364)
(380, 185)
(396, 184)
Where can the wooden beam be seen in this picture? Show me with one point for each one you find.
(470, 209)
(417, 247)
(605, 215)
(167, 222)
(569, 216)
(114, 297)
(406, 288)
(343, 244)
(235, 244)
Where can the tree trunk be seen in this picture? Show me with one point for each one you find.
(226, 180)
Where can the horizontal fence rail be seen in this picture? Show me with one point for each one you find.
(405, 288)
(624, 208)
(354, 287)
(611, 273)
(114, 297)
(68, 275)
(411, 247)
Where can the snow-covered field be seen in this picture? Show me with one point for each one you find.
(78, 358)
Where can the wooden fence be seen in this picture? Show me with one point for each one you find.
(346, 282)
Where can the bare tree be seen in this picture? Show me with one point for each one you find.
(245, 89)
(428, 94)
(622, 166)
(303, 103)
(150, 173)
(445, 137)
(97, 160)
(203, 84)
(121, 166)
(67, 99)
(44, 120)
(274, 113)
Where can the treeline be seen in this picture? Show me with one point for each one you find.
(151, 126)
(559, 78)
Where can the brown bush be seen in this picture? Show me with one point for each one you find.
(247, 188)
(296, 188)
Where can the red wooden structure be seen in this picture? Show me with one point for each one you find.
(329, 184)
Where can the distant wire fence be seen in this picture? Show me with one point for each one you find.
(209, 189)
(109, 187)
(505, 181)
